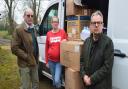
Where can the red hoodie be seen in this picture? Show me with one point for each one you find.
(52, 48)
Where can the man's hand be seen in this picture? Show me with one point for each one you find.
(47, 65)
(87, 80)
(31, 60)
(63, 40)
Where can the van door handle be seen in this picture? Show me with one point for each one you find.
(118, 53)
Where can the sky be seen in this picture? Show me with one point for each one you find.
(18, 16)
(2, 6)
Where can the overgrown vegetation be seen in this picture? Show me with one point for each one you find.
(9, 77)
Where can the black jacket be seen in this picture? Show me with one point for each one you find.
(97, 61)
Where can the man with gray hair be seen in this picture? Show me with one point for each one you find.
(97, 56)
(24, 46)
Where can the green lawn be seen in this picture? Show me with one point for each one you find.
(9, 77)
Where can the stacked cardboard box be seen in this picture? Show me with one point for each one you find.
(70, 54)
(75, 25)
(77, 18)
(72, 79)
(72, 9)
(70, 57)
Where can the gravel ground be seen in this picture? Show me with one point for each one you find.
(4, 41)
(45, 83)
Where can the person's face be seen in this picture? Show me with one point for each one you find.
(55, 23)
(96, 24)
(28, 17)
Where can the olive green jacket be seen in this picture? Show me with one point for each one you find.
(97, 61)
(22, 46)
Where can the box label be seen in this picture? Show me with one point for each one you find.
(77, 48)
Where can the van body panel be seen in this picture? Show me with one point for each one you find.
(120, 73)
(118, 25)
(118, 32)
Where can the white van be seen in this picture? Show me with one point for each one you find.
(116, 29)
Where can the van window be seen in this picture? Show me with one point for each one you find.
(46, 22)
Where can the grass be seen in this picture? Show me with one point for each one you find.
(9, 77)
(9, 74)
(5, 35)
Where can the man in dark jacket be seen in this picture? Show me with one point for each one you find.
(97, 56)
(24, 46)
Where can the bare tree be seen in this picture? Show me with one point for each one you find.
(35, 5)
(11, 5)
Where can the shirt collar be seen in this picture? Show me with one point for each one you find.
(29, 26)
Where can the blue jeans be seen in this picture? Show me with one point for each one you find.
(56, 70)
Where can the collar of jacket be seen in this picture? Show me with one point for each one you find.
(25, 26)
(100, 36)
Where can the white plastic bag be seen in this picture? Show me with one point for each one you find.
(85, 33)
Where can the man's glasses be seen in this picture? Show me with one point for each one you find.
(98, 23)
(30, 16)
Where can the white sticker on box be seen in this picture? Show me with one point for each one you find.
(77, 48)
(73, 30)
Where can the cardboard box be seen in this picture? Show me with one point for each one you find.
(88, 12)
(72, 9)
(73, 79)
(70, 54)
(74, 28)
